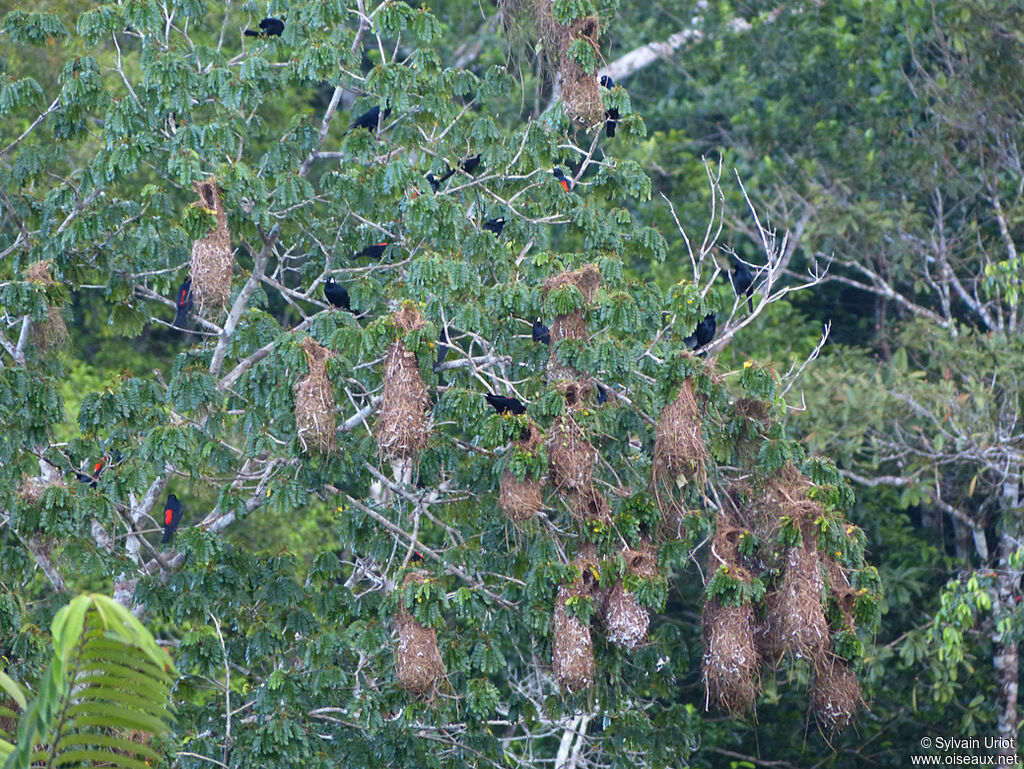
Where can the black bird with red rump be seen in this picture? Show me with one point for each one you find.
(562, 179)
(172, 517)
(183, 303)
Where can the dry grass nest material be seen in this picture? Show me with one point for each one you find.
(33, 489)
(314, 402)
(730, 656)
(212, 258)
(802, 627)
(418, 662)
(52, 331)
(589, 504)
(521, 500)
(678, 441)
(836, 696)
(572, 649)
(626, 621)
(570, 455)
(583, 104)
(587, 279)
(403, 426)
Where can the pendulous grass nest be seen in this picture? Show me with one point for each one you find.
(212, 258)
(403, 425)
(418, 662)
(314, 402)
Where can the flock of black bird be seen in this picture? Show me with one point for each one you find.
(337, 295)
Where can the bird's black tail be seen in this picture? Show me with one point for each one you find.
(181, 317)
(609, 128)
(750, 302)
(251, 33)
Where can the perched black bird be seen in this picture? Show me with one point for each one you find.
(703, 334)
(97, 468)
(611, 116)
(602, 395)
(562, 179)
(370, 118)
(172, 517)
(469, 165)
(435, 183)
(183, 303)
(268, 28)
(336, 294)
(504, 405)
(541, 333)
(376, 251)
(495, 225)
(742, 281)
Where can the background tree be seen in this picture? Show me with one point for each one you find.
(107, 129)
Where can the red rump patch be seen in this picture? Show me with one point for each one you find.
(168, 516)
(565, 185)
(98, 466)
(181, 302)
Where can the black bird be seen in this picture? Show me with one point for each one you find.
(97, 468)
(183, 303)
(541, 333)
(369, 119)
(562, 179)
(435, 183)
(336, 294)
(495, 225)
(504, 405)
(172, 517)
(469, 165)
(376, 251)
(703, 334)
(268, 28)
(602, 394)
(611, 115)
(742, 281)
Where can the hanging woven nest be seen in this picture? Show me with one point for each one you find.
(212, 258)
(51, 332)
(678, 440)
(801, 625)
(418, 662)
(522, 500)
(587, 279)
(835, 696)
(572, 648)
(570, 455)
(767, 633)
(800, 618)
(626, 621)
(314, 402)
(730, 656)
(588, 504)
(556, 40)
(403, 425)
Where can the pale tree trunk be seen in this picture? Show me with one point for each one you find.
(1006, 660)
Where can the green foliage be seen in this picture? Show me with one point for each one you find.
(108, 678)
